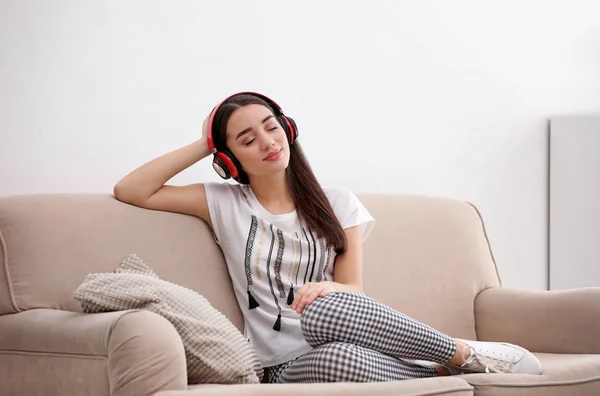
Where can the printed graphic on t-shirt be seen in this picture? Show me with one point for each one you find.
(285, 260)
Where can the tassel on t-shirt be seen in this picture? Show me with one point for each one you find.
(277, 326)
(252, 301)
(290, 299)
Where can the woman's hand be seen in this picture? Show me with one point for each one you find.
(309, 292)
(205, 128)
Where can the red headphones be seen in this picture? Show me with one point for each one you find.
(224, 162)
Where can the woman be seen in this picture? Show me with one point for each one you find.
(293, 250)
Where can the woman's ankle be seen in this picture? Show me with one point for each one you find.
(462, 353)
(442, 371)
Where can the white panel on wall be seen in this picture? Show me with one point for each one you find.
(574, 202)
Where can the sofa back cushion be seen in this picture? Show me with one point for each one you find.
(428, 257)
(50, 242)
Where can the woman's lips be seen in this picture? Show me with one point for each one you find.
(273, 155)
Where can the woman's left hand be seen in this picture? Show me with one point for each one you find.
(309, 292)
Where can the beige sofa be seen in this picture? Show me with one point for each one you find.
(428, 257)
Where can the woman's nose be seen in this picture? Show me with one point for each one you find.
(268, 143)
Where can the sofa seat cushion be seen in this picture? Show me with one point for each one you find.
(562, 375)
(437, 386)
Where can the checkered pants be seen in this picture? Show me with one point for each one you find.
(358, 339)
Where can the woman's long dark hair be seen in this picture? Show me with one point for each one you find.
(312, 205)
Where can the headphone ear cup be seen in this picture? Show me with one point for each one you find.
(226, 165)
(294, 128)
(221, 167)
(236, 166)
(290, 128)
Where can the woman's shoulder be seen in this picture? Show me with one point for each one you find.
(349, 209)
(224, 190)
(225, 186)
(342, 200)
(335, 193)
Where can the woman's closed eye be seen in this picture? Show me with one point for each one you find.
(271, 129)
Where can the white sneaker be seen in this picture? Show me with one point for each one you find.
(498, 357)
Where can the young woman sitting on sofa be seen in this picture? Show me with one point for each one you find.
(293, 251)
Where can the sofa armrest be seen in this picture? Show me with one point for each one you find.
(121, 353)
(541, 321)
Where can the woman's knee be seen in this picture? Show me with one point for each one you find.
(316, 321)
(323, 321)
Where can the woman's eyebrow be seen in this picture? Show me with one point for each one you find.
(245, 131)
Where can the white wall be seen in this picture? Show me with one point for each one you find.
(426, 97)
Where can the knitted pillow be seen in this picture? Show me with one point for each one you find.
(216, 351)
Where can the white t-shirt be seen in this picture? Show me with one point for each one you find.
(268, 256)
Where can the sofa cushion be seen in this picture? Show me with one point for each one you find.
(425, 250)
(216, 352)
(562, 375)
(433, 386)
(50, 242)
